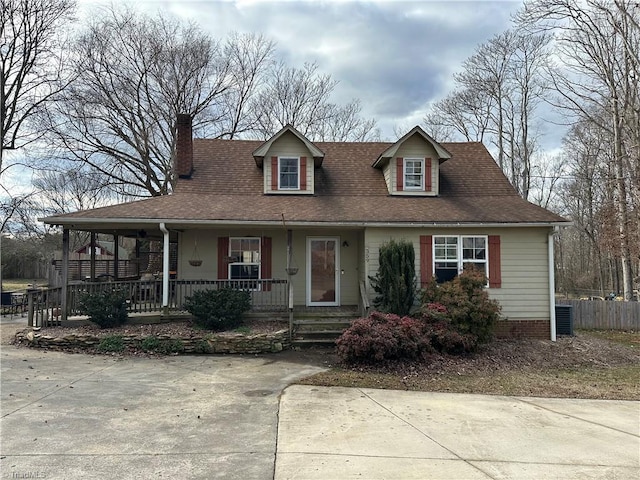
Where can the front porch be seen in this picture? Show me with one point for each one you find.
(301, 274)
(145, 298)
(269, 302)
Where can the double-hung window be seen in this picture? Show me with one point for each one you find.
(414, 173)
(453, 254)
(289, 173)
(244, 259)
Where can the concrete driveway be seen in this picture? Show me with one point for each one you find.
(343, 433)
(68, 416)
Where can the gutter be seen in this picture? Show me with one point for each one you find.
(70, 223)
(552, 285)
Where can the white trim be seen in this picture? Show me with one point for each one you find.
(335, 303)
(552, 287)
(404, 174)
(460, 254)
(285, 157)
(259, 262)
(176, 223)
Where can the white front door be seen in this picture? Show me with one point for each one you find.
(323, 271)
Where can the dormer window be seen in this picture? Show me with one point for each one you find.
(289, 173)
(413, 171)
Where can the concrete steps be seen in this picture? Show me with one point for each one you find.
(320, 331)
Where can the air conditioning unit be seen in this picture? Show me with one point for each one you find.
(564, 320)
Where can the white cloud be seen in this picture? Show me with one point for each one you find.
(395, 56)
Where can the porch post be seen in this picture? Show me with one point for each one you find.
(165, 269)
(116, 254)
(289, 278)
(92, 267)
(137, 257)
(65, 273)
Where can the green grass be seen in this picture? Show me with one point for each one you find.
(11, 284)
(630, 339)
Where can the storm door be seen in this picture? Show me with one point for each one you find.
(323, 267)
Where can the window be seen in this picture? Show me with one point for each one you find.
(414, 174)
(288, 173)
(244, 258)
(453, 254)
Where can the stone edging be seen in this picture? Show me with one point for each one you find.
(210, 343)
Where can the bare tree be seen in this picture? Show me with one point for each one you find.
(32, 71)
(597, 42)
(71, 190)
(134, 75)
(301, 97)
(250, 59)
(495, 101)
(463, 113)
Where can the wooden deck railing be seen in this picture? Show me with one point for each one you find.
(45, 308)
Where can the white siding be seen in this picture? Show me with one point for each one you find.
(291, 146)
(524, 294)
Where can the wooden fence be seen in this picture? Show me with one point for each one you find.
(604, 315)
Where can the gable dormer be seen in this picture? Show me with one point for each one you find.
(288, 160)
(411, 166)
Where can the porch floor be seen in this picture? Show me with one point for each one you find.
(157, 316)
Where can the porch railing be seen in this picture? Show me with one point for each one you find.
(45, 308)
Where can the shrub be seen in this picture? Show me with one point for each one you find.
(107, 309)
(395, 281)
(469, 310)
(203, 347)
(112, 343)
(218, 309)
(150, 344)
(162, 346)
(381, 337)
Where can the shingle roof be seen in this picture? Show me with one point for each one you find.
(228, 186)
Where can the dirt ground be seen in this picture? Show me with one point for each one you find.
(582, 350)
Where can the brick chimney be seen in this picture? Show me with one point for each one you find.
(184, 147)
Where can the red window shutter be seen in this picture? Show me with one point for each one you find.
(427, 174)
(426, 259)
(303, 173)
(265, 262)
(399, 174)
(274, 173)
(223, 258)
(495, 271)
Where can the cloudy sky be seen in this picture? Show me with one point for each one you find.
(395, 56)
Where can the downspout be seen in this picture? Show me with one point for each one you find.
(165, 269)
(552, 286)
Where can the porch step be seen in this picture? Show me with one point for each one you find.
(319, 331)
(310, 343)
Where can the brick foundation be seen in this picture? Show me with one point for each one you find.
(523, 329)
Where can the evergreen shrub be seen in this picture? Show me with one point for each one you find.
(218, 309)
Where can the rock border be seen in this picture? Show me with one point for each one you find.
(211, 343)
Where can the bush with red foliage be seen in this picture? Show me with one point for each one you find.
(383, 336)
